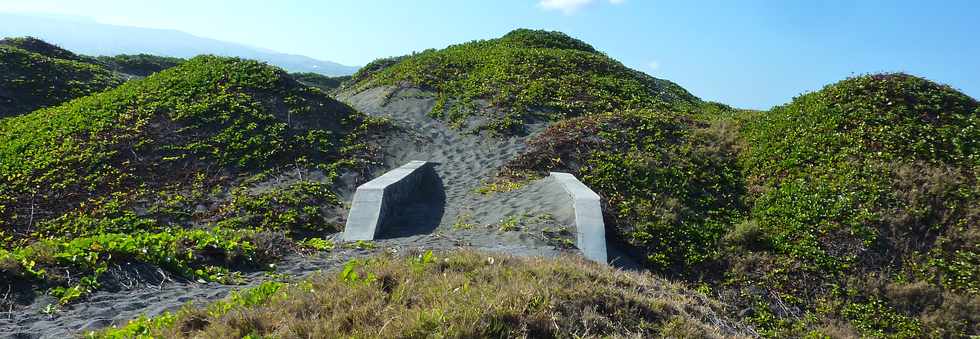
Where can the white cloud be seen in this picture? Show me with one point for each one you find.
(654, 65)
(569, 7)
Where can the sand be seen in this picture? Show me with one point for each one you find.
(534, 220)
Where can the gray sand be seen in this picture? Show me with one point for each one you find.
(535, 220)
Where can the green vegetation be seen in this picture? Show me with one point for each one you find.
(35, 74)
(509, 224)
(321, 81)
(215, 164)
(201, 254)
(850, 211)
(460, 295)
(463, 222)
(862, 191)
(671, 184)
(522, 76)
(139, 64)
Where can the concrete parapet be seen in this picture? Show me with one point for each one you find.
(591, 237)
(375, 200)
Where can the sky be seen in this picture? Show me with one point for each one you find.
(747, 53)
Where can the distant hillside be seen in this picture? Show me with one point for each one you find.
(35, 74)
(140, 64)
(323, 82)
(32, 44)
(92, 38)
(198, 158)
(522, 76)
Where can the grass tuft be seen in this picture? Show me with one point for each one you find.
(456, 295)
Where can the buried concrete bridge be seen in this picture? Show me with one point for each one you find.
(378, 202)
(410, 200)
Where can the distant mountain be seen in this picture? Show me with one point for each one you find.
(86, 36)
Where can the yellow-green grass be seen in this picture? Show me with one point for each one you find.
(453, 295)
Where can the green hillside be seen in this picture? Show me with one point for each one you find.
(176, 170)
(521, 75)
(866, 205)
(34, 74)
(852, 210)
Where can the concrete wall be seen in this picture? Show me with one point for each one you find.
(375, 200)
(591, 237)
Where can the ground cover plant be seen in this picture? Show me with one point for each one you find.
(864, 201)
(452, 295)
(218, 163)
(670, 184)
(524, 75)
(851, 211)
(35, 74)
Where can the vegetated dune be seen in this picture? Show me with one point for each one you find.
(35, 74)
(524, 76)
(850, 211)
(670, 183)
(35, 45)
(457, 295)
(218, 163)
(864, 208)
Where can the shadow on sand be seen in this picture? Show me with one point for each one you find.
(422, 214)
(621, 256)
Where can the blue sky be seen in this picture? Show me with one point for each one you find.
(748, 53)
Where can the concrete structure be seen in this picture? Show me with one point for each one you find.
(591, 237)
(375, 200)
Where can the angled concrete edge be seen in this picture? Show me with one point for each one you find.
(374, 200)
(591, 238)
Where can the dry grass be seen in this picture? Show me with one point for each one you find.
(466, 295)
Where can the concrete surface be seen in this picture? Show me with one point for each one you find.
(591, 237)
